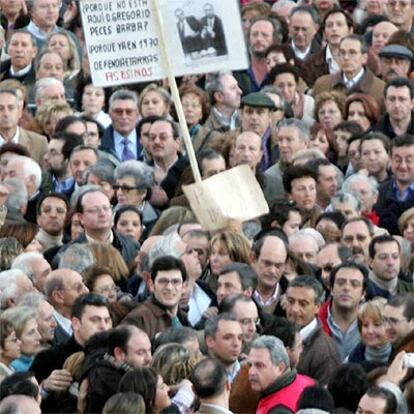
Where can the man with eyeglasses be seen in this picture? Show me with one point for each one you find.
(331, 255)
(399, 322)
(270, 256)
(319, 357)
(121, 138)
(167, 160)
(397, 194)
(400, 13)
(338, 315)
(161, 310)
(95, 214)
(353, 76)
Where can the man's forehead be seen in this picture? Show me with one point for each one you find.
(262, 25)
(50, 201)
(356, 226)
(225, 326)
(123, 103)
(162, 126)
(19, 36)
(8, 96)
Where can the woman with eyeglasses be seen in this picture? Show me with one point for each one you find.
(134, 180)
(98, 280)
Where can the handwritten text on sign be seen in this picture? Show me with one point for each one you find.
(122, 39)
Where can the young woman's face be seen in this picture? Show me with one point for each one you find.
(373, 333)
(129, 224)
(153, 104)
(320, 142)
(162, 399)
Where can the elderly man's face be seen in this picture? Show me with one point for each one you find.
(256, 119)
(21, 50)
(45, 13)
(393, 67)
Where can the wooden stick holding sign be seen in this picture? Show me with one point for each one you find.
(176, 97)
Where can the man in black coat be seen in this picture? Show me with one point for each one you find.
(212, 31)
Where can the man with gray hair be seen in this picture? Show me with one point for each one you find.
(292, 136)
(102, 174)
(225, 95)
(13, 285)
(11, 110)
(48, 89)
(35, 266)
(62, 288)
(28, 171)
(280, 387)
(304, 245)
(16, 202)
(121, 138)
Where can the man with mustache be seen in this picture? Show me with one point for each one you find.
(395, 61)
(357, 233)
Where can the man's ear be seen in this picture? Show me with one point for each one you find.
(119, 354)
(75, 323)
(209, 341)
(150, 285)
(57, 296)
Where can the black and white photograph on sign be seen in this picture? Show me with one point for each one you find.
(200, 29)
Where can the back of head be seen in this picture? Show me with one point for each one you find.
(209, 378)
(347, 385)
(125, 403)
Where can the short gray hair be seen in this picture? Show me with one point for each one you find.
(32, 299)
(213, 82)
(167, 246)
(305, 281)
(104, 170)
(275, 347)
(18, 195)
(43, 83)
(24, 262)
(31, 167)
(142, 173)
(302, 235)
(8, 285)
(343, 197)
(303, 129)
(354, 178)
(18, 316)
(76, 257)
(123, 95)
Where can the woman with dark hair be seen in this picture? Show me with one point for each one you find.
(146, 382)
(128, 221)
(362, 109)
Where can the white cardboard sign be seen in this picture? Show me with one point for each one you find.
(123, 38)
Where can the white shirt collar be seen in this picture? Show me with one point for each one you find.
(20, 72)
(349, 83)
(330, 60)
(298, 53)
(64, 322)
(308, 329)
(15, 139)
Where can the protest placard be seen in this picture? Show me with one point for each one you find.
(232, 195)
(123, 38)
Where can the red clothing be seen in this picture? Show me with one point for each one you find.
(373, 216)
(323, 316)
(287, 396)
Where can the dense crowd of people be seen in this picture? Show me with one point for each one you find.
(113, 297)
